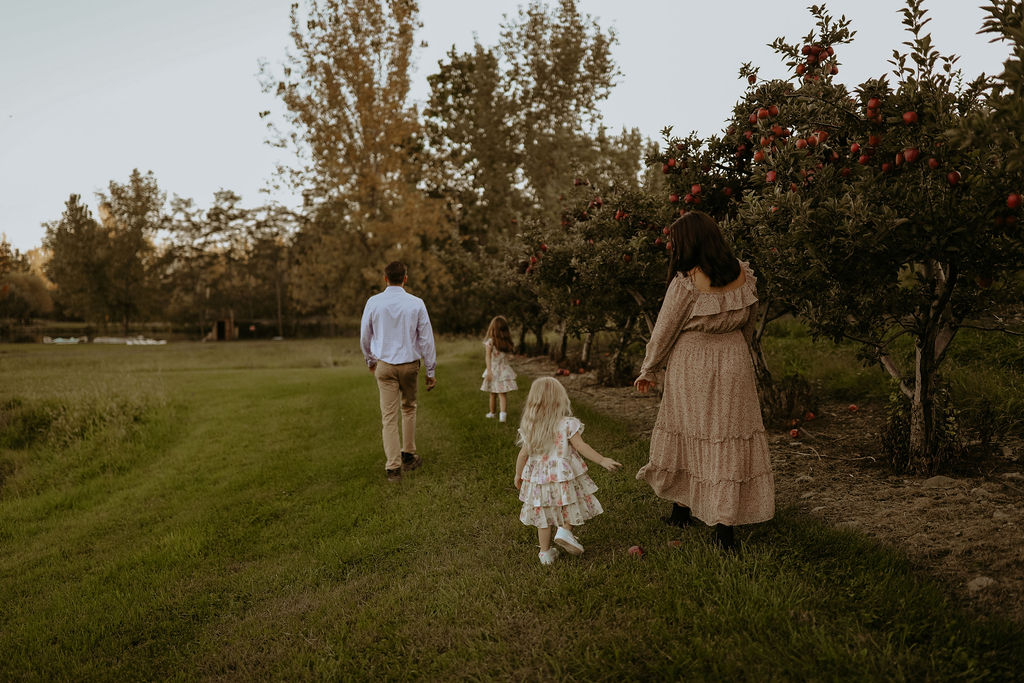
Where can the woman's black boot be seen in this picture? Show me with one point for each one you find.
(725, 538)
(680, 516)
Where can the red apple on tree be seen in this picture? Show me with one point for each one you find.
(910, 117)
(773, 110)
(854, 149)
(751, 79)
(953, 178)
(674, 198)
(1013, 201)
(933, 163)
(695, 189)
(911, 154)
(770, 176)
(874, 103)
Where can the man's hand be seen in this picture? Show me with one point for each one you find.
(431, 383)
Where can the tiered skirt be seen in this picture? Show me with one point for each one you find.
(708, 446)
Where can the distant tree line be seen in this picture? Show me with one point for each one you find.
(446, 188)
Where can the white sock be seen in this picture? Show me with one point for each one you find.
(489, 415)
(502, 416)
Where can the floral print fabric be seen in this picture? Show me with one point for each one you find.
(556, 488)
(503, 377)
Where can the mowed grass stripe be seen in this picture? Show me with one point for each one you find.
(250, 533)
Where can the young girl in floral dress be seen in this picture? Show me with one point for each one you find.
(550, 474)
(499, 377)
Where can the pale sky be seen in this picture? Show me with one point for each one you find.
(94, 88)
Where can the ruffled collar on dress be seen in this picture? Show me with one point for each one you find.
(710, 303)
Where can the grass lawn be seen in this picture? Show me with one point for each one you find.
(220, 511)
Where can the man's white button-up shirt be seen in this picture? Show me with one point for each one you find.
(396, 329)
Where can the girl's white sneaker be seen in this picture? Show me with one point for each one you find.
(489, 415)
(502, 417)
(568, 542)
(548, 556)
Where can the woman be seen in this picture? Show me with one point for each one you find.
(709, 455)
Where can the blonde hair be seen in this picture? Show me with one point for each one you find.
(546, 406)
(499, 334)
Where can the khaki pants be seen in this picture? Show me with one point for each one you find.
(397, 386)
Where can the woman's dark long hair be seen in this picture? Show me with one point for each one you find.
(697, 242)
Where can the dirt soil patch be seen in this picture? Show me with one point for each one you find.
(967, 529)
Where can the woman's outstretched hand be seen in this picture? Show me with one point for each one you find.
(643, 385)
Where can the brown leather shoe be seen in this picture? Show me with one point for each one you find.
(410, 461)
(394, 475)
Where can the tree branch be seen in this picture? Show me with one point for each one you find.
(638, 297)
(894, 372)
(992, 329)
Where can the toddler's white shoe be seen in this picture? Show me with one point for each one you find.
(548, 556)
(502, 417)
(568, 542)
(489, 415)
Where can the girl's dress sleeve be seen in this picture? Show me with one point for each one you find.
(572, 427)
(675, 312)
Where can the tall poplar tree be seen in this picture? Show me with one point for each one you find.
(132, 213)
(346, 89)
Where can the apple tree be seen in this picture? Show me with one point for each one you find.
(603, 267)
(879, 228)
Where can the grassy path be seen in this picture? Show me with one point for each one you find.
(244, 530)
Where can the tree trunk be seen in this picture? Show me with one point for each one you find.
(280, 319)
(565, 344)
(538, 333)
(766, 389)
(588, 345)
(921, 456)
(620, 347)
(521, 348)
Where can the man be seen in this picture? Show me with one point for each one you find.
(395, 335)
